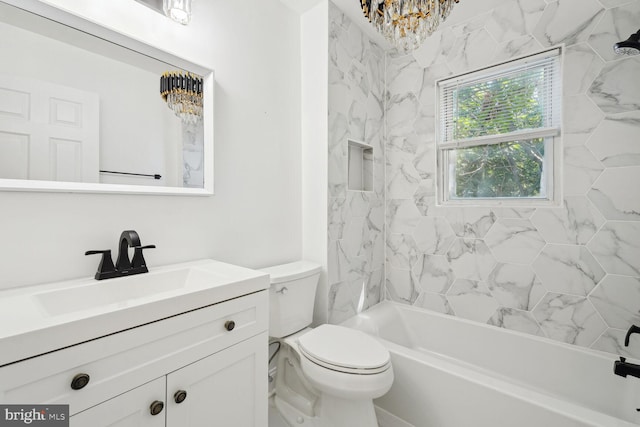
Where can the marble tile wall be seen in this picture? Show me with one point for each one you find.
(356, 219)
(571, 274)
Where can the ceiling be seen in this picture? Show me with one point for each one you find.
(351, 8)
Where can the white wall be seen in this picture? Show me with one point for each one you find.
(314, 40)
(254, 218)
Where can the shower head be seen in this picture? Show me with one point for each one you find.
(630, 46)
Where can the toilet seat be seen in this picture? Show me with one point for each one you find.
(344, 350)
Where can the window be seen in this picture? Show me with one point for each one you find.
(498, 133)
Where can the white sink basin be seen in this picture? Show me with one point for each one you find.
(38, 319)
(125, 291)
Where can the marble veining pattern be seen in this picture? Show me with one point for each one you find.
(568, 269)
(515, 286)
(469, 222)
(401, 285)
(617, 299)
(516, 320)
(402, 177)
(356, 219)
(575, 223)
(617, 248)
(612, 341)
(623, 150)
(569, 272)
(616, 201)
(514, 19)
(516, 48)
(615, 3)
(425, 196)
(402, 251)
(581, 67)
(433, 235)
(472, 50)
(616, 24)
(472, 300)
(435, 302)
(581, 169)
(611, 90)
(581, 116)
(433, 273)
(570, 319)
(568, 22)
(402, 215)
(514, 241)
(470, 259)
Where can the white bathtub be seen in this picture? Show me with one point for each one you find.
(450, 372)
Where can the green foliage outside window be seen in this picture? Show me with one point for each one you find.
(511, 169)
(500, 106)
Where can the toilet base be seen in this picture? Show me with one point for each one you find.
(293, 416)
(338, 412)
(333, 412)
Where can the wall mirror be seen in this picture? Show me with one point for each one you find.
(81, 109)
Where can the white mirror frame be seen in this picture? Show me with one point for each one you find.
(73, 21)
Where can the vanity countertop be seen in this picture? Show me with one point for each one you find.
(38, 319)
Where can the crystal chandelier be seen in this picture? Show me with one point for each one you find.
(183, 93)
(407, 23)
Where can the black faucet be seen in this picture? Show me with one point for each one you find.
(124, 266)
(622, 367)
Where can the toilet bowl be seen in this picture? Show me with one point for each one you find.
(345, 362)
(327, 376)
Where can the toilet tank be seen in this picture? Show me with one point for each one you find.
(291, 296)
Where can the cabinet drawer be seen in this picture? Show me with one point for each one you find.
(129, 409)
(122, 361)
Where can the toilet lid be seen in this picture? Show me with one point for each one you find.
(344, 349)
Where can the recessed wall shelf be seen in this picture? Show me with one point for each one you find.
(360, 166)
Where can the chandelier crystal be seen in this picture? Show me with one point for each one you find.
(183, 93)
(407, 23)
(178, 10)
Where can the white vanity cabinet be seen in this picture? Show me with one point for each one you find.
(130, 409)
(223, 388)
(215, 355)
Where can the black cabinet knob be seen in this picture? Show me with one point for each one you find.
(80, 381)
(229, 325)
(156, 407)
(179, 396)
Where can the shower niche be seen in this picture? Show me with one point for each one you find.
(359, 166)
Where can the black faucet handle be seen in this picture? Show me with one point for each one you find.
(632, 330)
(138, 261)
(106, 269)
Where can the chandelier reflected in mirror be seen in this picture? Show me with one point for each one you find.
(183, 93)
(407, 23)
(178, 10)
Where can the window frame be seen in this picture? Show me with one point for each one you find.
(552, 139)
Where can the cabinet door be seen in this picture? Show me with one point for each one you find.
(227, 389)
(130, 409)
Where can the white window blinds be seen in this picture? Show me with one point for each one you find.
(518, 100)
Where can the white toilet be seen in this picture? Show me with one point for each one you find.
(327, 376)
